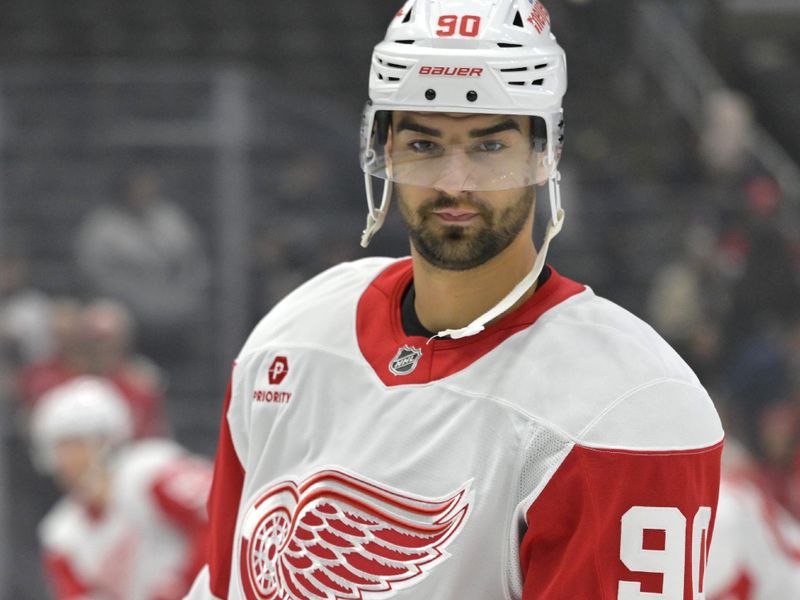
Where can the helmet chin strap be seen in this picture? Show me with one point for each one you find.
(375, 216)
(553, 228)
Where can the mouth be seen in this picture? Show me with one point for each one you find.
(455, 216)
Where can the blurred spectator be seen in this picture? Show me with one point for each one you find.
(758, 252)
(132, 523)
(755, 550)
(96, 340)
(764, 399)
(143, 250)
(106, 330)
(66, 359)
(728, 132)
(726, 162)
(767, 292)
(25, 312)
(686, 302)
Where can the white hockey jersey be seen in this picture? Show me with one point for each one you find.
(756, 550)
(566, 452)
(148, 542)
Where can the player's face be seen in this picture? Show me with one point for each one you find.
(76, 461)
(451, 222)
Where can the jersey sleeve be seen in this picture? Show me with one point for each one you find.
(64, 582)
(223, 503)
(622, 524)
(180, 492)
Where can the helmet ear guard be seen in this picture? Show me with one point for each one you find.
(538, 134)
(383, 120)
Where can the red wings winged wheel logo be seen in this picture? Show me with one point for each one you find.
(336, 535)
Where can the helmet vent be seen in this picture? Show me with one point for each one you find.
(389, 68)
(507, 45)
(407, 18)
(518, 20)
(404, 41)
(392, 65)
(533, 74)
(537, 82)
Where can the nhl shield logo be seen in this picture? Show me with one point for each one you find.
(405, 361)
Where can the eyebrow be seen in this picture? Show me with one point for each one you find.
(407, 124)
(508, 124)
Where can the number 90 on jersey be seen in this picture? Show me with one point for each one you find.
(667, 557)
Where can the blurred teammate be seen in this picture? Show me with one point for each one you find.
(132, 524)
(755, 554)
(467, 423)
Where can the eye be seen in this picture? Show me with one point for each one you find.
(424, 146)
(491, 146)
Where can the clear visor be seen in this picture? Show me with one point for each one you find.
(467, 152)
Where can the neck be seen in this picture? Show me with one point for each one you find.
(453, 299)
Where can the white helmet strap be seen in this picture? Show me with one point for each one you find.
(553, 228)
(375, 216)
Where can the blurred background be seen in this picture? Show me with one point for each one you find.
(170, 169)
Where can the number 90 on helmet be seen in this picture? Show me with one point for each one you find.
(85, 407)
(495, 57)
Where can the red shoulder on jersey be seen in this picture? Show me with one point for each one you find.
(621, 524)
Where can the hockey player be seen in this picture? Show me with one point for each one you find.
(756, 550)
(132, 524)
(466, 423)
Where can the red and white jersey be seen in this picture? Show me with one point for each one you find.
(147, 544)
(566, 452)
(756, 550)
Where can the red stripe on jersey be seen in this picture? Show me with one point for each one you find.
(592, 526)
(65, 584)
(226, 491)
(380, 331)
(742, 589)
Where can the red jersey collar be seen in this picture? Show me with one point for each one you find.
(399, 359)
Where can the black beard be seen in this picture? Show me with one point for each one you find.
(453, 249)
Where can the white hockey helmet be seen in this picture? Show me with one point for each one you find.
(464, 56)
(81, 408)
(467, 56)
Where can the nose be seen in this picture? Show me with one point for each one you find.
(454, 175)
